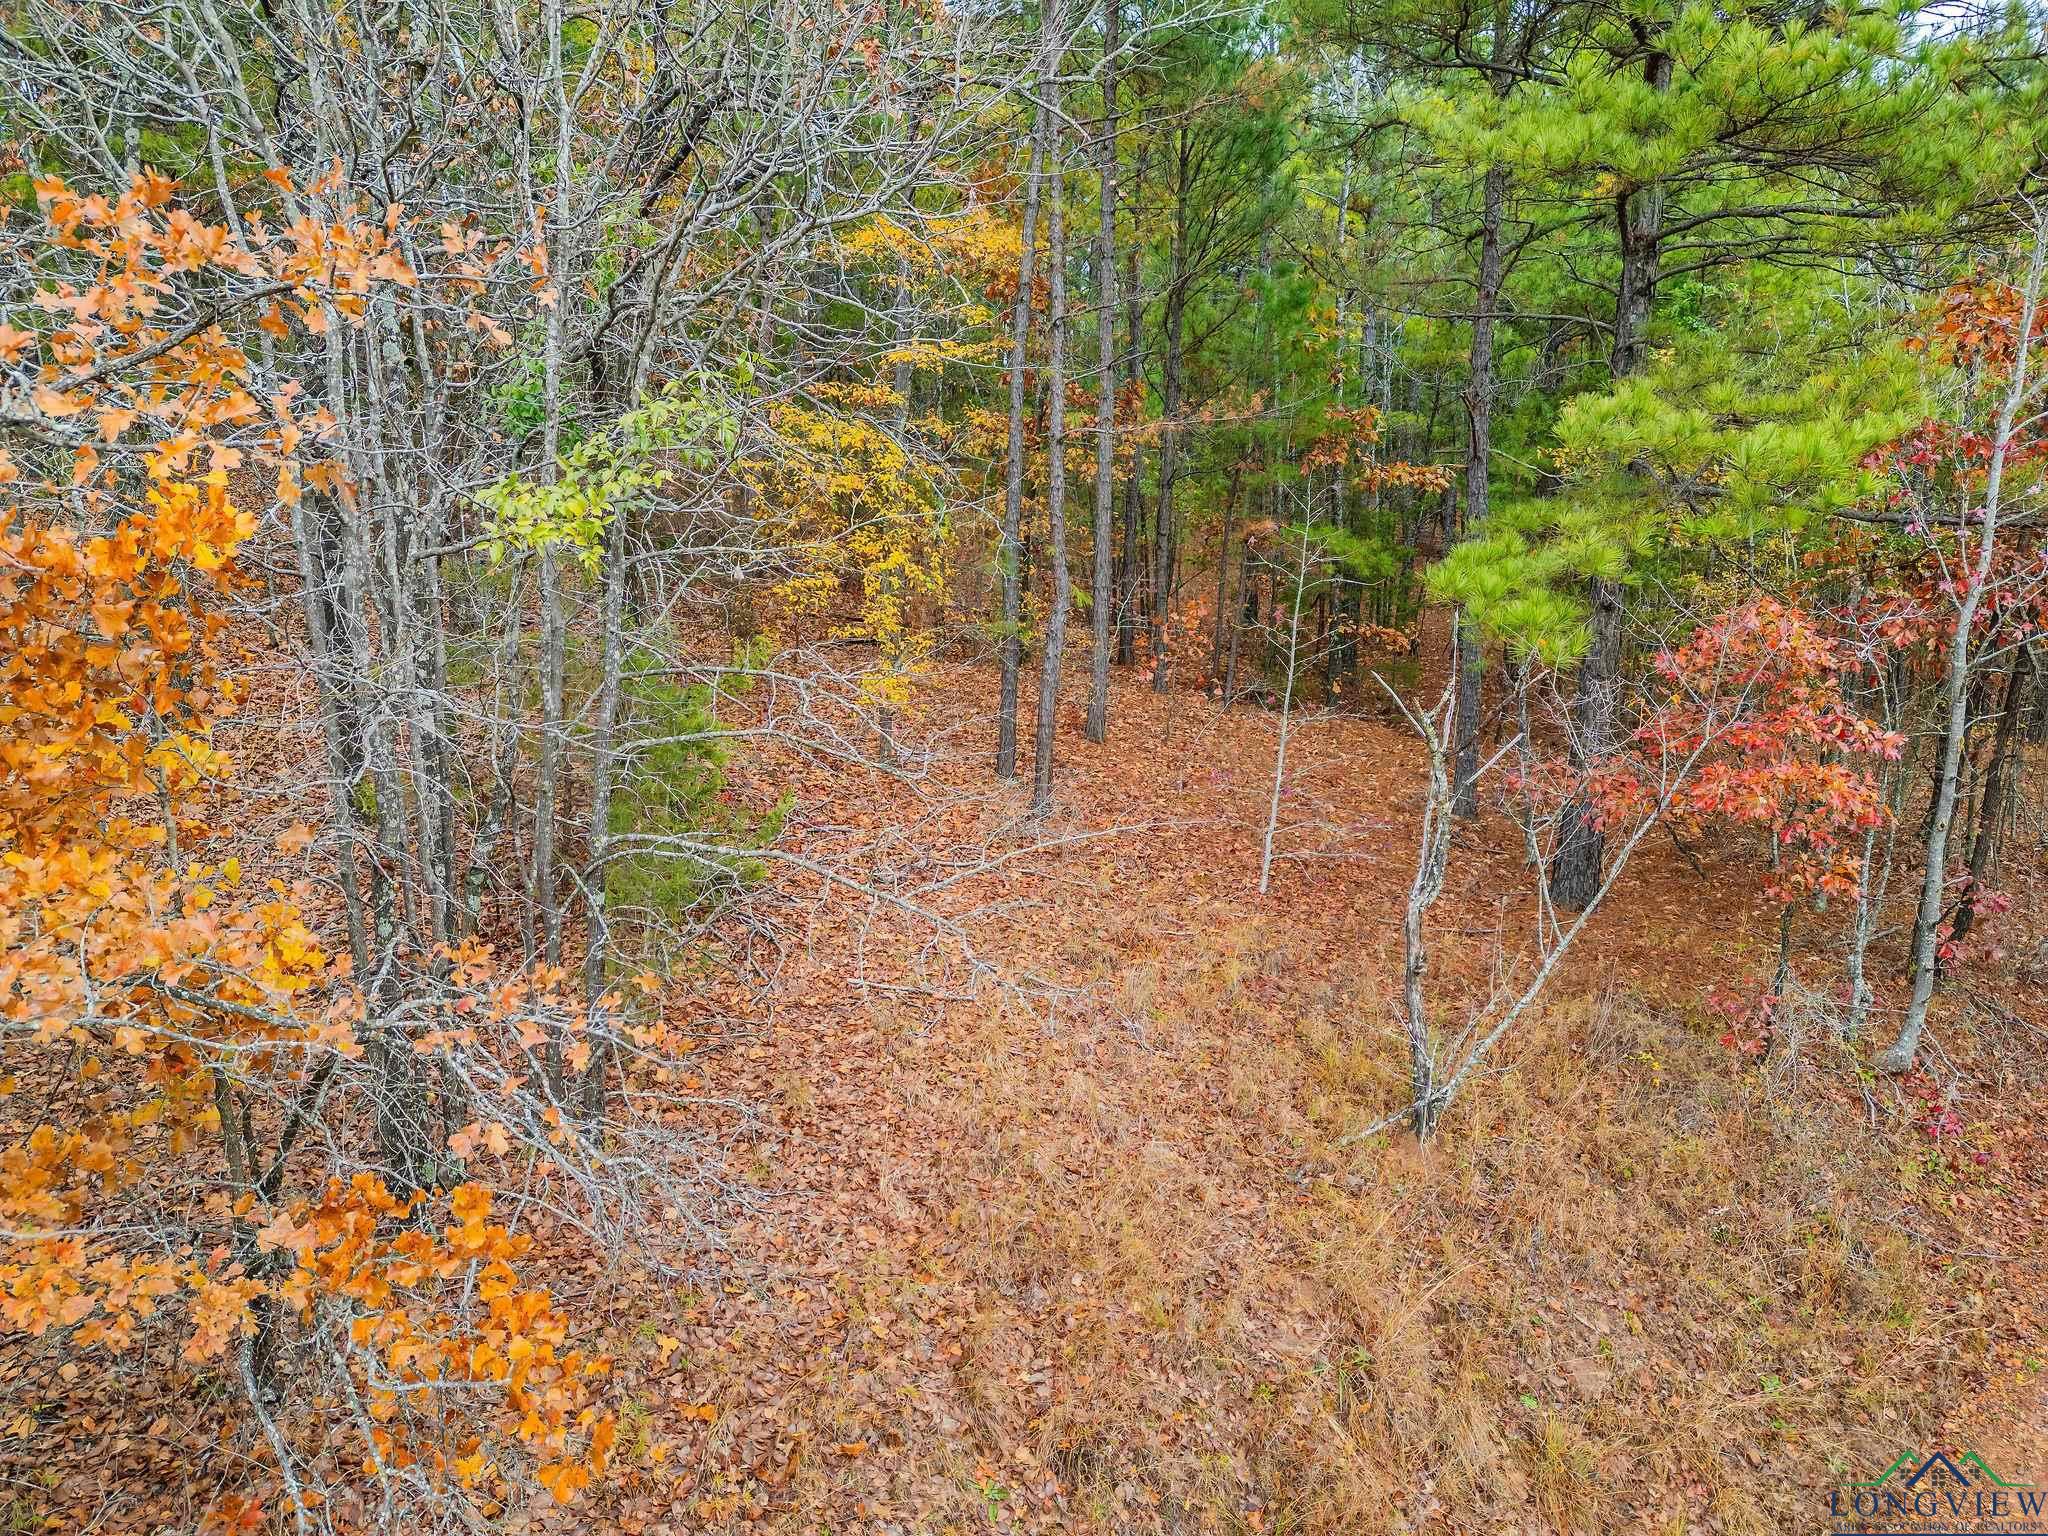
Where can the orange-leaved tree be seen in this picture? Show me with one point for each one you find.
(195, 1081)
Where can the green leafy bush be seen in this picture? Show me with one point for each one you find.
(683, 844)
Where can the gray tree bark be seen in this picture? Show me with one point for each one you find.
(1010, 549)
(1103, 591)
(1055, 487)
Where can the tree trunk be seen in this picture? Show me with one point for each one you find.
(1575, 870)
(503, 739)
(1169, 447)
(1991, 802)
(903, 381)
(1056, 485)
(1286, 718)
(1103, 591)
(1639, 217)
(1874, 873)
(554, 643)
(343, 737)
(1247, 581)
(1433, 854)
(1128, 581)
(1223, 575)
(602, 777)
(554, 629)
(1009, 557)
(1478, 467)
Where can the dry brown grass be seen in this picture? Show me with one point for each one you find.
(1622, 1291)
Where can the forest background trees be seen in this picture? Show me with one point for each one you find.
(454, 437)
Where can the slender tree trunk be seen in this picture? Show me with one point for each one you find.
(1340, 671)
(1432, 858)
(1104, 588)
(379, 796)
(1223, 575)
(1575, 869)
(1991, 801)
(1169, 446)
(342, 738)
(1128, 580)
(1478, 470)
(1056, 485)
(1874, 873)
(439, 750)
(1163, 532)
(904, 380)
(1639, 219)
(1927, 922)
(603, 775)
(503, 737)
(1248, 613)
(1286, 717)
(1010, 552)
(554, 629)
(554, 650)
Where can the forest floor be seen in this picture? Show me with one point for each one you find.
(1039, 1212)
(1069, 1237)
